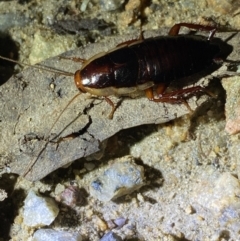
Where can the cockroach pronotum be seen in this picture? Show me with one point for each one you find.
(148, 65)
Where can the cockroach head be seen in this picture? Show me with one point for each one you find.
(78, 81)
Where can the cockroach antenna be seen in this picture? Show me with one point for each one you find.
(37, 66)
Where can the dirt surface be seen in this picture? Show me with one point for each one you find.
(191, 163)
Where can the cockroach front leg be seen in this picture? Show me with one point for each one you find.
(113, 107)
(75, 59)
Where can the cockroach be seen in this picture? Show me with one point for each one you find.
(149, 65)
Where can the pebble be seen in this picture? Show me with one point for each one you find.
(3, 195)
(121, 178)
(84, 5)
(102, 225)
(39, 211)
(133, 5)
(72, 196)
(89, 166)
(59, 189)
(54, 235)
(189, 209)
(111, 236)
(120, 222)
(111, 5)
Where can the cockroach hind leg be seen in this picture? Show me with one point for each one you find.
(187, 106)
(178, 96)
(176, 28)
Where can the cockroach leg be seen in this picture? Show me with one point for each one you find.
(160, 89)
(175, 97)
(75, 59)
(176, 28)
(149, 93)
(112, 105)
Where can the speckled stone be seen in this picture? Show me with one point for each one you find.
(121, 178)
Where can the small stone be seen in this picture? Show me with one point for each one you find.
(122, 178)
(89, 166)
(54, 235)
(39, 211)
(59, 189)
(133, 5)
(84, 5)
(189, 209)
(89, 213)
(111, 224)
(101, 224)
(111, 236)
(120, 222)
(111, 5)
(140, 197)
(125, 18)
(72, 196)
(3, 195)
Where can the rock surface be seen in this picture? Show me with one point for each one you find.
(181, 158)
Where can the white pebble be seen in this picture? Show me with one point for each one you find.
(54, 235)
(39, 211)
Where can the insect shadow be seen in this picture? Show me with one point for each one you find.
(8, 49)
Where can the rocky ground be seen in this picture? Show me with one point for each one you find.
(172, 181)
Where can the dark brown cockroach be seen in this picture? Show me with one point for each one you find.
(148, 65)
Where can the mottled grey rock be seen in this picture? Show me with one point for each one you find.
(9, 20)
(54, 235)
(39, 211)
(123, 177)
